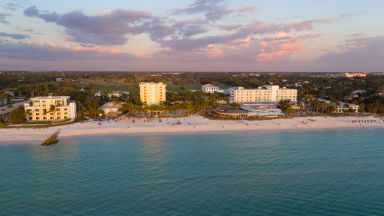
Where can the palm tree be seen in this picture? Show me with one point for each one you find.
(52, 108)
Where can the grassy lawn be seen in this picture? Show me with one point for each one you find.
(187, 86)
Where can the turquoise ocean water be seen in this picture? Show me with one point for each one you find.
(338, 172)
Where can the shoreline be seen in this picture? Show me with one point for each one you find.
(189, 125)
(213, 132)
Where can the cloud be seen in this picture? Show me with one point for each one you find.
(190, 40)
(13, 36)
(115, 27)
(256, 29)
(188, 28)
(3, 18)
(361, 52)
(9, 6)
(44, 52)
(277, 48)
(212, 9)
(105, 29)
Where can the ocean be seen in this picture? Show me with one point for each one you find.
(319, 172)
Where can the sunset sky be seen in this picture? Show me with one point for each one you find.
(192, 35)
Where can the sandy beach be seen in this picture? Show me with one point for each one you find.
(192, 124)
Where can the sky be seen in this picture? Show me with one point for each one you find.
(192, 35)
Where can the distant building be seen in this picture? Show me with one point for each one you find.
(381, 91)
(355, 75)
(114, 94)
(3, 101)
(152, 93)
(111, 94)
(98, 94)
(50, 108)
(342, 107)
(209, 88)
(266, 93)
(112, 109)
(11, 93)
(355, 94)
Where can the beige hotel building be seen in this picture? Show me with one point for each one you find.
(51, 108)
(152, 93)
(266, 93)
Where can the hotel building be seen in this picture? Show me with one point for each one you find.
(267, 93)
(355, 75)
(51, 108)
(152, 93)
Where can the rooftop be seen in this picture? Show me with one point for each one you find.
(210, 85)
(50, 97)
(111, 105)
(156, 83)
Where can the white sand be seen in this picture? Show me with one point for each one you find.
(193, 124)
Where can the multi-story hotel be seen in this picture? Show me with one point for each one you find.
(152, 93)
(354, 75)
(267, 93)
(51, 108)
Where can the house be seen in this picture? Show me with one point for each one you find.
(210, 89)
(98, 94)
(342, 107)
(114, 94)
(355, 94)
(112, 109)
(11, 93)
(381, 91)
(111, 94)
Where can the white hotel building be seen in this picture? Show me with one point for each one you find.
(266, 93)
(51, 108)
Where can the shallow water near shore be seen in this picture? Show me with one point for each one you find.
(329, 172)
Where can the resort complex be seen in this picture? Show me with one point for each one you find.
(169, 95)
(266, 93)
(50, 108)
(152, 93)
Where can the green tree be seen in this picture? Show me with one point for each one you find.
(331, 109)
(17, 116)
(52, 108)
(286, 106)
